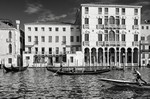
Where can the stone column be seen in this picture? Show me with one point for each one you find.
(90, 59)
(107, 57)
(104, 58)
(132, 58)
(126, 57)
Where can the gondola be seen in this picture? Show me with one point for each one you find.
(15, 69)
(125, 83)
(76, 72)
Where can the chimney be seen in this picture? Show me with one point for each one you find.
(18, 24)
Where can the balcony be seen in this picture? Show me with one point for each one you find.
(8, 40)
(110, 43)
(112, 26)
(123, 43)
(145, 42)
(85, 26)
(99, 43)
(123, 26)
(135, 43)
(99, 26)
(135, 27)
(86, 43)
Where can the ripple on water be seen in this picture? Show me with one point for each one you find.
(40, 83)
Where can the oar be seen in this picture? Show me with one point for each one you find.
(55, 72)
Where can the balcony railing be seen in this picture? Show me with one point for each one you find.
(112, 26)
(135, 27)
(86, 43)
(8, 40)
(99, 26)
(99, 43)
(123, 26)
(135, 43)
(145, 42)
(85, 26)
(114, 43)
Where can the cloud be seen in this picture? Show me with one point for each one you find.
(33, 8)
(49, 16)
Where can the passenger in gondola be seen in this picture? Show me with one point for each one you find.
(60, 67)
(138, 77)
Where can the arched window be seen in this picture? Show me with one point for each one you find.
(111, 36)
(112, 20)
(10, 48)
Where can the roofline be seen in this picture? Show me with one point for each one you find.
(111, 5)
(49, 24)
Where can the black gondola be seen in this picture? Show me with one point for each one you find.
(76, 72)
(15, 69)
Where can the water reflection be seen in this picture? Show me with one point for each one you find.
(40, 83)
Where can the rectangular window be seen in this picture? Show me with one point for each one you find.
(57, 39)
(71, 39)
(123, 11)
(123, 37)
(106, 10)
(43, 50)
(64, 38)
(86, 10)
(86, 37)
(86, 20)
(135, 11)
(143, 38)
(57, 50)
(117, 20)
(29, 28)
(147, 27)
(99, 10)
(29, 38)
(106, 20)
(71, 59)
(135, 21)
(142, 27)
(36, 39)
(49, 38)
(9, 60)
(117, 37)
(99, 20)
(36, 29)
(64, 50)
(64, 29)
(56, 29)
(42, 28)
(29, 49)
(136, 37)
(123, 22)
(36, 50)
(143, 55)
(106, 37)
(117, 11)
(50, 50)
(99, 37)
(50, 29)
(78, 38)
(42, 39)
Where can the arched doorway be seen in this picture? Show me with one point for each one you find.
(86, 55)
(93, 56)
(112, 56)
(129, 55)
(122, 58)
(135, 55)
(100, 56)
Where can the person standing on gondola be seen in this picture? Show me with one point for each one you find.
(138, 77)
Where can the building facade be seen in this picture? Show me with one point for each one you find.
(145, 44)
(50, 42)
(110, 34)
(12, 43)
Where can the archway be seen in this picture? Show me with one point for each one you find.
(100, 55)
(112, 56)
(93, 55)
(111, 35)
(135, 55)
(129, 55)
(86, 55)
(122, 58)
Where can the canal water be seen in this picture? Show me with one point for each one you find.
(38, 83)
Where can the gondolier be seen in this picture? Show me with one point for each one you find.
(138, 77)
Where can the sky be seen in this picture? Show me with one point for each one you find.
(28, 11)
